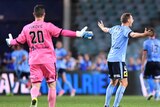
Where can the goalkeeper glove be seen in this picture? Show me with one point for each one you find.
(8, 40)
(84, 34)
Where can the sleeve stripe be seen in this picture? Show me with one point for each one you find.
(60, 32)
(129, 34)
(19, 42)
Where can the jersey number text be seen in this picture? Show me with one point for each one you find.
(37, 37)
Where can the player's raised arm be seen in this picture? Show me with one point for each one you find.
(102, 27)
(147, 32)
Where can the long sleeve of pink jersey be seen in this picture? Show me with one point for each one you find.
(56, 31)
(21, 39)
(14, 42)
(68, 33)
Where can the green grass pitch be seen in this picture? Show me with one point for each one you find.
(77, 101)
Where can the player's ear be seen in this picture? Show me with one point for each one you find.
(33, 14)
(128, 20)
(44, 14)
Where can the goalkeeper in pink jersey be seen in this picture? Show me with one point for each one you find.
(38, 36)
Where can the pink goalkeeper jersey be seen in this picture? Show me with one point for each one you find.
(38, 36)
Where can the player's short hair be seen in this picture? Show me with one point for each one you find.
(39, 10)
(125, 17)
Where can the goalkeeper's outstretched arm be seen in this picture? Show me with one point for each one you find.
(56, 31)
(83, 33)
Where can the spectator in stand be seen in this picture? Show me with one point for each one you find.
(87, 62)
(101, 62)
(7, 62)
(138, 64)
(98, 64)
(70, 62)
(80, 63)
(131, 66)
(104, 65)
(102, 55)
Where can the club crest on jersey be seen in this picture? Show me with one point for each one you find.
(125, 73)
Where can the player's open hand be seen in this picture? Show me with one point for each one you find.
(148, 32)
(85, 34)
(102, 27)
(8, 40)
(100, 24)
(88, 34)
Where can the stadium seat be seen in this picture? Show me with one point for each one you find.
(90, 11)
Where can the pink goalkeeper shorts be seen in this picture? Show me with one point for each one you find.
(40, 71)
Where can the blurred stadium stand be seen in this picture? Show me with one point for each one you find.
(88, 12)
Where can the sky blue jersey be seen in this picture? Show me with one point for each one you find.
(17, 57)
(60, 53)
(119, 42)
(24, 66)
(152, 46)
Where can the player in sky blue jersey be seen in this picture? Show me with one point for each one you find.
(23, 65)
(116, 58)
(61, 53)
(151, 64)
(15, 58)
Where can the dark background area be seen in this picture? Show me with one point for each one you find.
(15, 14)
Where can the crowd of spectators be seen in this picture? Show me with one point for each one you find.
(82, 63)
